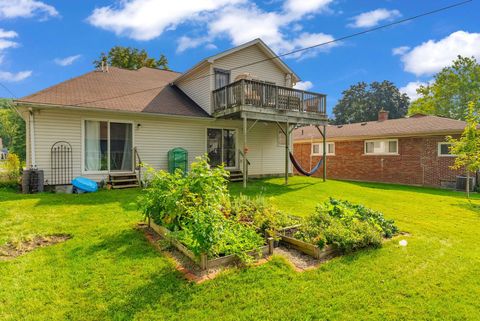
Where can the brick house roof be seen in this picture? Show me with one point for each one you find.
(146, 90)
(418, 125)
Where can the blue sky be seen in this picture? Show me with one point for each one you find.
(46, 42)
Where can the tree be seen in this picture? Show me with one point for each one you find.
(12, 129)
(467, 147)
(451, 91)
(362, 102)
(130, 58)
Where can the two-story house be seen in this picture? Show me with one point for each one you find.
(235, 106)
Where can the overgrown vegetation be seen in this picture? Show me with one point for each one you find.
(195, 206)
(10, 171)
(261, 213)
(346, 226)
(12, 129)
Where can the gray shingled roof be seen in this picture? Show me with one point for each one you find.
(412, 126)
(146, 90)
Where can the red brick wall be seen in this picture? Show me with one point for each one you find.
(416, 164)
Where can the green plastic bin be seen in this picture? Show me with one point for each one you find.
(177, 158)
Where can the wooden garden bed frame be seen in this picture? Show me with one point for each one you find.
(203, 261)
(307, 248)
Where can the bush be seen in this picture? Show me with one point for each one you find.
(260, 213)
(194, 206)
(346, 226)
(12, 167)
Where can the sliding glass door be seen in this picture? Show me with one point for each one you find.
(221, 147)
(108, 146)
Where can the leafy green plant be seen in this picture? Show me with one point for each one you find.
(260, 213)
(12, 167)
(195, 206)
(346, 226)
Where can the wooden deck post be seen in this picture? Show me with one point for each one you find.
(245, 130)
(287, 146)
(324, 153)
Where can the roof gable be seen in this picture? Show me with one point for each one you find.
(256, 42)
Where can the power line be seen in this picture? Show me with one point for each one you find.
(307, 48)
(15, 96)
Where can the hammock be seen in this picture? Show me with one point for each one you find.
(301, 170)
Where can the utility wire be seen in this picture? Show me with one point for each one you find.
(457, 4)
(15, 96)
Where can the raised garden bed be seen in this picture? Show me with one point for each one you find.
(287, 239)
(203, 261)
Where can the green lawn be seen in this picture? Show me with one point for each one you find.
(109, 271)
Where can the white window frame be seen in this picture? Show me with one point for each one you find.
(86, 172)
(385, 142)
(439, 150)
(320, 147)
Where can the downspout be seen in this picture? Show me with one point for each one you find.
(31, 121)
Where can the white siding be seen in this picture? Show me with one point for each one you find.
(198, 88)
(265, 70)
(199, 85)
(154, 138)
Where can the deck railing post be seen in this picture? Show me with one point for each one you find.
(302, 104)
(242, 92)
(276, 97)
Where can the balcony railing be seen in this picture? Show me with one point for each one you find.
(260, 94)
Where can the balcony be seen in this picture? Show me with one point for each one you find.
(261, 100)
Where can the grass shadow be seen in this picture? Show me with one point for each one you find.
(407, 188)
(127, 244)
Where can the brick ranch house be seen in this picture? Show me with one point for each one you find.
(411, 151)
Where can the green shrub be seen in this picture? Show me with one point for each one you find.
(12, 167)
(260, 213)
(345, 210)
(346, 226)
(194, 206)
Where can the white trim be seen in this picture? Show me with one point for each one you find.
(439, 154)
(108, 121)
(321, 153)
(237, 156)
(383, 153)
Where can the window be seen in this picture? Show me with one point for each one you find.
(222, 78)
(444, 149)
(381, 147)
(107, 146)
(221, 146)
(317, 149)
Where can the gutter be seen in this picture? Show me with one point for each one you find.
(31, 121)
(115, 111)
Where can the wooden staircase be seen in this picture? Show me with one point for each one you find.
(128, 180)
(236, 175)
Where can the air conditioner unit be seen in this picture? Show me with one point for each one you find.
(461, 184)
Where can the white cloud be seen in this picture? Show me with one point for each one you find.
(373, 18)
(303, 85)
(25, 9)
(300, 7)
(431, 56)
(238, 20)
(15, 77)
(7, 34)
(67, 61)
(148, 19)
(400, 50)
(7, 43)
(411, 88)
